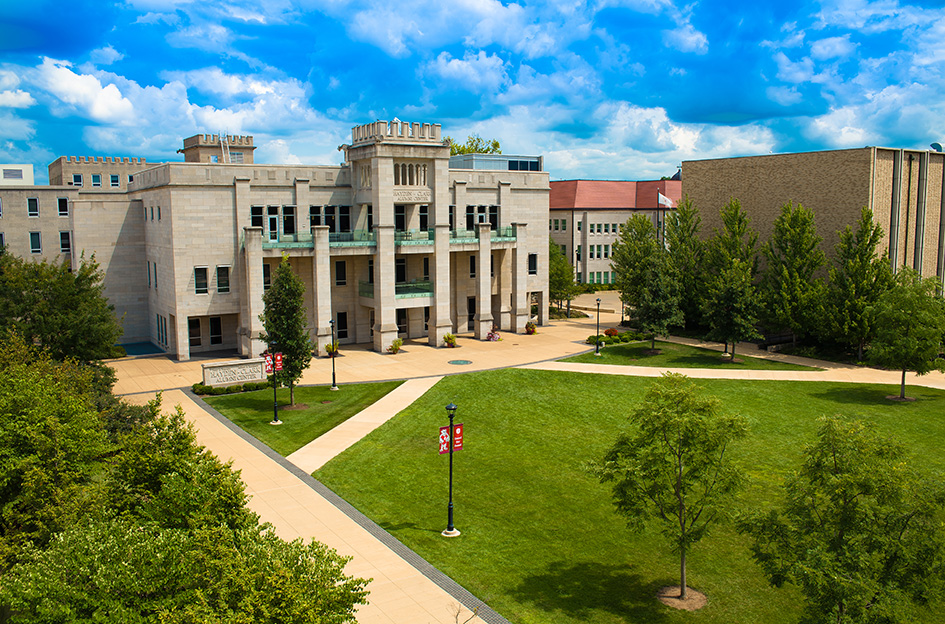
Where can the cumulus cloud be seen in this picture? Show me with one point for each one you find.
(83, 93)
(832, 47)
(474, 72)
(794, 71)
(16, 99)
(686, 38)
(106, 55)
(785, 96)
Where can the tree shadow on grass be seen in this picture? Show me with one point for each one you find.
(867, 395)
(406, 527)
(579, 589)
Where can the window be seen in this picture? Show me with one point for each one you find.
(63, 206)
(236, 157)
(426, 318)
(1, 207)
(288, 219)
(200, 280)
(36, 243)
(579, 226)
(32, 207)
(606, 277)
(155, 276)
(159, 213)
(341, 325)
(370, 217)
(149, 274)
(65, 243)
(400, 270)
(256, 216)
(556, 225)
(606, 251)
(2, 242)
(370, 271)
(76, 179)
(564, 250)
(344, 218)
(600, 228)
(598, 278)
(131, 178)
(549, 225)
(341, 273)
(12, 174)
(613, 228)
(590, 252)
(426, 269)
(193, 330)
(533, 264)
(216, 330)
(606, 228)
(400, 218)
(472, 266)
(267, 276)
(314, 216)
(96, 179)
(491, 265)
(145, 213)
(114, 181)
(577, 256)
(152, 213)
(330, 218)
(223, 279)
(599, 251)
(424, 218)
(564, 225)
(401, 320)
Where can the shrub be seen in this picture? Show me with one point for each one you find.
(530, 328)
(234, 389)
(331, 349)
(611, 331)
(625, 337)
(449, 340)
(593, 340)
(199, 388)
(395, 345)
(117, 351)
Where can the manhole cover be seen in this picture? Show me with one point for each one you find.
(460, 362)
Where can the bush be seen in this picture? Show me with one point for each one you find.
(449, 340)
(117, 351)
(611, 331)
(530, 328)
(396, 345)
(593, 340)
(199, 388)
(625, 337)
(234, 389)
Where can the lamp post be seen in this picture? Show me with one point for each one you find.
(450, 529)
(334, 354)
(275, 403)
(597, 339)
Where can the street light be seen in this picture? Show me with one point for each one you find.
(334, 354)
(450, 529)
(597, 339)
(275, 403)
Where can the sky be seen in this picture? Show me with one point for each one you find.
(607, 89)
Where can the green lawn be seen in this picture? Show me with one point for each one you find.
(677, 356)
(540, 542)
(324, 410)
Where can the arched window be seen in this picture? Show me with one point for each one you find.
(410, 169)
(397, 174)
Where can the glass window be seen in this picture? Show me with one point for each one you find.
(63, 203)
(533, 264)
(267, 276)
(236, 157)
(96, 179)
(341, 273)
(288, 219)
(131, 178)
(65, 243)
(314, 216)
(200, 280)
(193, 329)
(149, 274)
(472, 266)
(579, 226)
(330, 219)
(341, 325)
(556, 225)
(1, 206)
(223, 279)
(344, 218)
(113, 180)
(606, 251)
(159, 213)
(578, 254)
(564, 225)
(216, 330)
(36, 243)
(400, 270)
(256, 216)
(370, 271)
(76, 179)
(426, 269)
(32, 207)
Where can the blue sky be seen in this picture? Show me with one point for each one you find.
(612, 89)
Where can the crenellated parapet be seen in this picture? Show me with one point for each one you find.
(396, 130)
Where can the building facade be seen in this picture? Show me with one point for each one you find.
(391, 243)
(903, 188)
(585, 218)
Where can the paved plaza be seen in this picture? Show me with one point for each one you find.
(404, 588)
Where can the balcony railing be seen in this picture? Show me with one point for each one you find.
(355, 238)
(471, 236)
(287, 241)
(413, 237)
(402, 290)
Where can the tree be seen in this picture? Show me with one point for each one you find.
(859, 531)
(63, 311)
(284, 323)
(735, 241)
(674, 468)
(910, 325)
(860, 276)
(561, 286)
(791, 295)
(631, 253)
(732, 307)
(474, 144)
(687, 259)
(658, 308)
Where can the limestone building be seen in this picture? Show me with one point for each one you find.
(585, 218)
(903, 188)
(391, 243)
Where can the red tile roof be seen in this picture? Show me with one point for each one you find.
(612, 194)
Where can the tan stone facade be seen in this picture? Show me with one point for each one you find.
(903, 188)
(391, 243)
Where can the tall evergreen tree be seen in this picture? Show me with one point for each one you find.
(732, 306)
(658, 309)
(791, 293)
(735, 241)
(860, 276)
(561, 286)
(631, 254)
(687, 259)
(284, 323)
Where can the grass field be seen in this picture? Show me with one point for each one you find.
(324, 410)
(540, 542)
(678, 356)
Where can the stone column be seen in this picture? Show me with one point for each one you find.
(520, 304)
(504, 275)
(385, 302)
(321, 281)
(440, 323)
(482, 321)
(181, 337)
(252, 290)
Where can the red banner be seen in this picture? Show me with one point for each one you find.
(444, 440)
(268, 360)
(458, 437)
(277, 362)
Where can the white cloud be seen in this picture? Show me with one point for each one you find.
(214, 81)
(106, 55)
(153, 18)
(474, 72)
(832, 47)
(16, 99)
(13, 128)
(686, 38)
(277, 152)
(794, 72)
(83, 93)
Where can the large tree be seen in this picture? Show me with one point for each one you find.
(731, 308)
(792, 294)
(860, 275)
(64, 311)
(910, 325)
(561, 286)
(474, 144)
(284, 323)
(675, 467)
(658, 309)
(631, 254)
(687, 258)
(735, 241)
(859, 531)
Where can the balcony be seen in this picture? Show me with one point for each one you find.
(506, 234)
(355, 238)
(304, 240)
(402, 290)
(413, 237)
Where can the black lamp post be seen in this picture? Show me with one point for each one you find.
(275, 403)
(597, 340)
(450, 529)
(334, 354)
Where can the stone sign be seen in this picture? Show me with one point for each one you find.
(235, 372)
(422, 196)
